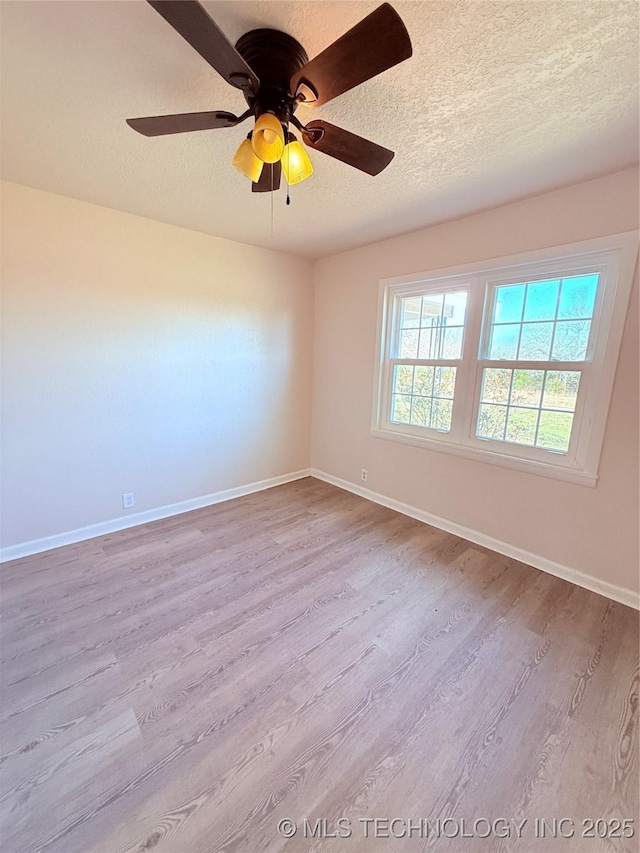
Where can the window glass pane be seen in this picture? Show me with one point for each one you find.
(572, 337)
(410, 313)
(491, 421)
(555, 320)
(408, 343)
(509, 302)
(528, 398)
(423, 395)
(445, 382)
(554, 430)
(432, 306)
(430, 342)
(561, 389)
(495, 385)
(421, 411)
(452, 346)
(455, 307)
(441, 415)
(521, 425)
(432, 326)
(578, 296)
(526, 388)
(401, 408)
(535, 341)
(403, 379)
(504, 342)
(423, 381)
(541, 300)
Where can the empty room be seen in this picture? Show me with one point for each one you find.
(320, 426)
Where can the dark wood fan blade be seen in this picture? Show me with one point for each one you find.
(184, 122)
(342, 145)
(193, 23)
(378, 42)
(269, 179)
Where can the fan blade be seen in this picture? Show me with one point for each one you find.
(184, 122)
(193, 23)
(269, 179)
(377, 43)
(342, 145)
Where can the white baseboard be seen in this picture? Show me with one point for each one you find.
(617, 593)
(36, 546)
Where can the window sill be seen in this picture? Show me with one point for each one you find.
(569, 475)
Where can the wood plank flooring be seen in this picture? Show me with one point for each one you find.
(302, 653)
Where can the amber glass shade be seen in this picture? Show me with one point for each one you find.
(245, 161)
(268, 138)
(296, 164)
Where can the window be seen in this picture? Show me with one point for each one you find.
(430, 334)
(511, 361)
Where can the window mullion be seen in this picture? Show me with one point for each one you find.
(464, 398)
(426, 362)
(533, 365)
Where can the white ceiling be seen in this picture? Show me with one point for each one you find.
(500, 100)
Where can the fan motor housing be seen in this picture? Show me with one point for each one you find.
(274, 56)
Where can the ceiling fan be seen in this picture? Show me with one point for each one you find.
(275, 75)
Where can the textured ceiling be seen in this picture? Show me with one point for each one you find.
(500, 100)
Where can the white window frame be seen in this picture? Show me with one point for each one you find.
(613, 257)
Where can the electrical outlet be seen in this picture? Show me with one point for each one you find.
(128, 500)
(363, 475)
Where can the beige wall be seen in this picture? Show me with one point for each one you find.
(594, 531)
(141, 357)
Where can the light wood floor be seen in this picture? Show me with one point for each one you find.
(303, 653)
